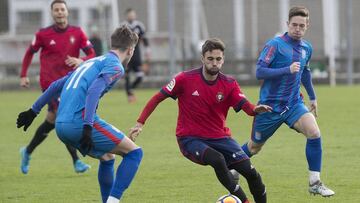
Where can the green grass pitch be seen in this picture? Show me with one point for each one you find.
(165, 175)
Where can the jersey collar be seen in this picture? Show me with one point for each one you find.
(60, 30)
(207, 81)
(290, 40)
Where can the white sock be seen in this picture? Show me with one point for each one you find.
(314, 176)
(112, 199)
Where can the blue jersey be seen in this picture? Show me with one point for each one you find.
(283, 90)
(74, 92)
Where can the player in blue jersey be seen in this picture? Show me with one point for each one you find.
(77, 123)
(284, 64)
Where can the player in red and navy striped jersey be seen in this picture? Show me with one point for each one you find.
(60, 46)
(204, 98)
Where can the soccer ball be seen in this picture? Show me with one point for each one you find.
(228, 199)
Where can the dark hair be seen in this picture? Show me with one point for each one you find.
(298, 11)
(123, 38)
(128, 10)
(212, 44)
(58, 2)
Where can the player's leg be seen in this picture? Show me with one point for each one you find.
(132, 155)
(256, 185)
(216, 160)
(79, 166)
(198, 151)
(128, 85)
(308, 126)
(264, 126)
(235, 158)
(139, 74)
(39, 136)
(106, 175)
(127, 81)
(108, 139)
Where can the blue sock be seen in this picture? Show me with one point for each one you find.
(245, 148)
(314, 154)
(106, 178)
(126, 172)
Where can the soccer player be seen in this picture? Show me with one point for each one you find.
(77, 123)
(136, 61)
(204, 97)
(283, 65)
(60, 45)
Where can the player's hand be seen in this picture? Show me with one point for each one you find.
(24, 82)
(135, 131)
(295, 67)
(73, 61)
(313, 107)
(86, 142)
(262, 108)
(25, 119)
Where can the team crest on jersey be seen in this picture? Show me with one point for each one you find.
(219, 96)
(303, 53)
(171, 85)
(52, 42)
(72, 39)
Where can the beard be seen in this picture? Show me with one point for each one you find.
(212, 71)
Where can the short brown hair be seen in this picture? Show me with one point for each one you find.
(298, 11)
(123, 38)
(57, 2)
(212, 44)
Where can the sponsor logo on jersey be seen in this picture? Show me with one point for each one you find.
(220, 96)
(171, 85)
(195, 93)
(72, 39)
(52, 42)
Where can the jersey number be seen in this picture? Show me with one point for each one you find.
(79, 72)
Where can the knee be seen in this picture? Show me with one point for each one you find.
(214, 159)
(50, 117)
(107, 157)
(254, 149)
(313, 133)
(136, 155)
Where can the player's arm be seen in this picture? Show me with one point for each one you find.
(25, 118)
(94, 93)
(146, 112)
(251, 109)
(172, 89)
(33, 48)
(263, 66)
(239, 102)
(86, 47)
(306, 80)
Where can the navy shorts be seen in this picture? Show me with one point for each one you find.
(194, 148)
